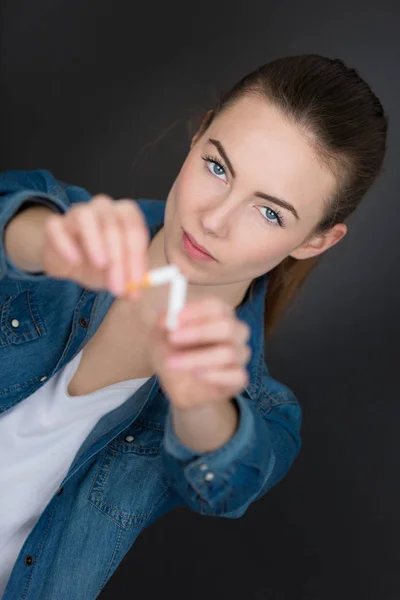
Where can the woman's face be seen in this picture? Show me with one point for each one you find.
(248, 151)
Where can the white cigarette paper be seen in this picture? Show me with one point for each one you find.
(177, 290)
(176, 300)
(162, 275)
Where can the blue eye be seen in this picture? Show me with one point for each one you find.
(215, 167)
(273, 216)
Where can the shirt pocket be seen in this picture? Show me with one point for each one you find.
(22, 334)
(20, 320)
(129, 482)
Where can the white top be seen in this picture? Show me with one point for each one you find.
(39, 439)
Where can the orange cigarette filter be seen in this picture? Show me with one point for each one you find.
(144, 283)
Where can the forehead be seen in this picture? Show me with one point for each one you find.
(273, 155)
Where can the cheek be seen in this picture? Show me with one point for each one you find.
(263, 247)
(193, 187)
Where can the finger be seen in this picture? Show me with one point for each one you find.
(136, 240)
(84, 223)
(112, 235)
(211, 331)
(60, 239)
(234, 379)
(222, 355)
(208, 307)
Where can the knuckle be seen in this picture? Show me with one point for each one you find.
(135, 218)
(102, 199)
(128, 205)
(72, 210)
(51, 220)
(80, 211)
(125, 208)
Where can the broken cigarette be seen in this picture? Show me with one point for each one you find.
(154, 277)
(177, 292)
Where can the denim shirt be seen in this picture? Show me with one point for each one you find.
(132, 468)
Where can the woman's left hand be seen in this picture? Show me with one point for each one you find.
(210, 350)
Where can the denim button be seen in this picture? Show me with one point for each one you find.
(84, 322)
(203, 467)
(28, 560)
(129, 438)
(15, 323)
(43, 378)
(209, 476)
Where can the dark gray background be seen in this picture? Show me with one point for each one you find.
(86, 89)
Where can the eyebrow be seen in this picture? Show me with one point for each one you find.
(273, 199)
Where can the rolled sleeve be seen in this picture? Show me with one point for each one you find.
(223, 456)
(18, 201)
(222, 482)
(21, 189)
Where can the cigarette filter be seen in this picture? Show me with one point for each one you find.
(154, 277)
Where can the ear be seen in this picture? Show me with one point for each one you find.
(319, 243)
(204, 125)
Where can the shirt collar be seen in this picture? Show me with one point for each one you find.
(251, 309)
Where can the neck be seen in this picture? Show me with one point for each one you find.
(233, 293)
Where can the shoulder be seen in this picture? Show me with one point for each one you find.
(154, 212)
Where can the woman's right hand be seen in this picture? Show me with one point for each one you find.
(100, 244)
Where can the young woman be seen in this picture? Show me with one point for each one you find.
(108, 422)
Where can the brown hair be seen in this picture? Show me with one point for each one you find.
(333, 105)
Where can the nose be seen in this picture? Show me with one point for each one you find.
(217, 220)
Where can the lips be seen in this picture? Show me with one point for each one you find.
(197, 245)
